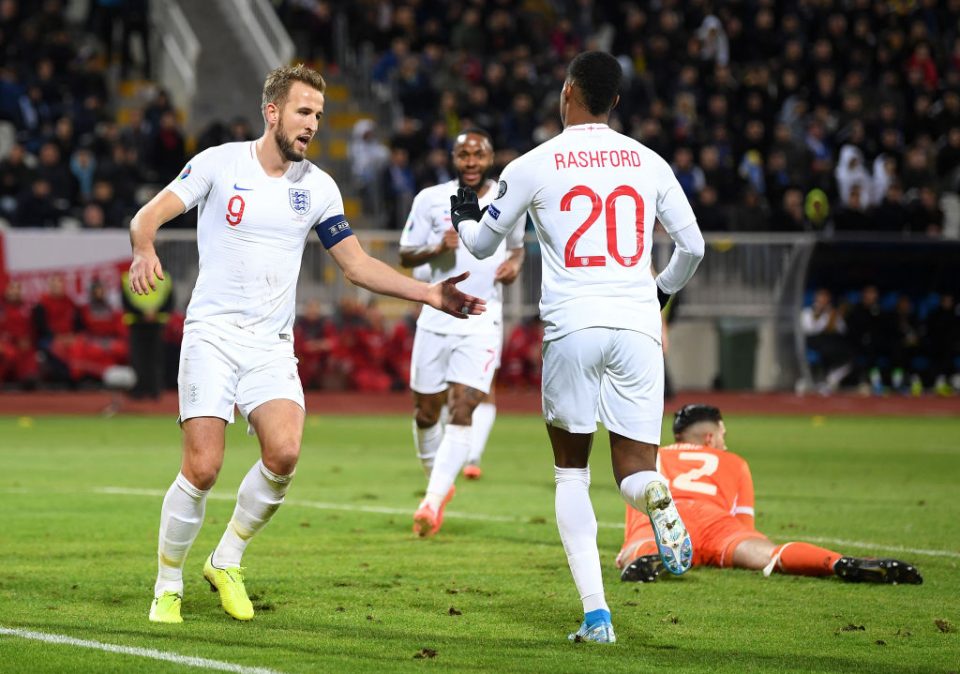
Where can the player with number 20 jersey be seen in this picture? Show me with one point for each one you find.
(594, 196)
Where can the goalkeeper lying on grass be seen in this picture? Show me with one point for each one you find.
(713, 491)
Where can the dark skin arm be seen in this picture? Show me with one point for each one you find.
(414, 257)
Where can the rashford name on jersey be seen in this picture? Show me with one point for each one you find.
(597, 159)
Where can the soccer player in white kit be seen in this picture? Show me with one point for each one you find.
(459, 357)
(594, 196)
(258, 202)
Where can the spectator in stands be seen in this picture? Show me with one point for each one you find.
(868, 329)
(83, 166)
(15, 177)
(852, 215)
(851, 173)
(689, 175)
(92, 217)
(924, 214)
(905, 345)
(56, 322)
(314, 338)
(824, 328)
(890, 215)
(63, 186)
(791, 217)
(36, 206)
(400, 186)
(18, 354)
(168, 152)
(368, 157)
(942, 337)
(102, 341)
(711, 216)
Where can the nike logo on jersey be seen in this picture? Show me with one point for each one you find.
(242, 189)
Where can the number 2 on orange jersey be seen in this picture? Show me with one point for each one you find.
(708, 466)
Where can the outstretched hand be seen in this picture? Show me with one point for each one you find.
(464, 205)
(145, 270)
(446, 297)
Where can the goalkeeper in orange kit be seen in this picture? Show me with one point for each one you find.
(713, 491)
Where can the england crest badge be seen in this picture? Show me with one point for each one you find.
(300, 201)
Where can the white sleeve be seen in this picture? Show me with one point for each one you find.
(195, 180)
(502, 215)
(685, 259)
(676, 216)
(515, 236)
(417, 228)
(479, 238)
(334, 206)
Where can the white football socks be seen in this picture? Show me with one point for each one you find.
(483, 417)
(258, 498)
(452, 454)
(427, 441)
(578, 531)
(632, 487)
(180, 519)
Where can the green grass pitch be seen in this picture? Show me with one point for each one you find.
(341, 585)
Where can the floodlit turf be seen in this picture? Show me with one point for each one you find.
(341, 585)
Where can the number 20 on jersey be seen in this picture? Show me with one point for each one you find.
(607, 206)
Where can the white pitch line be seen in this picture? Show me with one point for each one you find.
(176, 658)
(480, 517)
(894, 548)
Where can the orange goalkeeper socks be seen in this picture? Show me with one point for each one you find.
(802, 559)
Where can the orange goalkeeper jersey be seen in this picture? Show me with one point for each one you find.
(717, 481)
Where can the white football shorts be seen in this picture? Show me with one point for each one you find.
(440, 360)
(609, 374)
(215, 375)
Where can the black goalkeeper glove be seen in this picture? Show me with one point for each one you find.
(663, 298)
(464, 206)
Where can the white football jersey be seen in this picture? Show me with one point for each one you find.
(251, 232)
(594, 196)
(428, 220)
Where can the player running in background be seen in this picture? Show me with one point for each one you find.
(454, 357)
(594, 196)
(713, 490)
(258, 202)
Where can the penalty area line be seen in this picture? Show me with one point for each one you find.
(176, 658)
(480, 517)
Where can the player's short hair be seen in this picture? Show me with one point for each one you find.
(688, 415)
(476, 131)
(276, 87)
(598, 76)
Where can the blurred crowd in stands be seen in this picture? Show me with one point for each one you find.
(71, 152)
(782, 116)
(57, 342)
(776, 116)
(883, 343)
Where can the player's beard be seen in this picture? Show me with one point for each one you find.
(484, 176)
(285, 145)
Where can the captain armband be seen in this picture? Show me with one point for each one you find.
(333, 230)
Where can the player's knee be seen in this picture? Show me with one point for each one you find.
(282, 459)
(202, 475)
(461, 413)
(426, 417)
